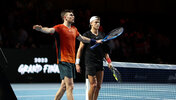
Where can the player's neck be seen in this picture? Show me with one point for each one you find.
(94, 31)
(67, 24)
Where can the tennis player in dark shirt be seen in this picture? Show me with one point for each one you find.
(93, 58)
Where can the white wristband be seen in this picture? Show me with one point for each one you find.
(77, 61)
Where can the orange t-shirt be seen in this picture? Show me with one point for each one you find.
(65, 43)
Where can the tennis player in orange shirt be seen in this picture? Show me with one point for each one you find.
(65, 35)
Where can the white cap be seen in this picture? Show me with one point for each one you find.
(93, 18)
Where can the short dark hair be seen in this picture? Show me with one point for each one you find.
(64, 12)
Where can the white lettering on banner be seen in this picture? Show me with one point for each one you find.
(36, 68)
(51, 68)
(29, 68)
(40, 60)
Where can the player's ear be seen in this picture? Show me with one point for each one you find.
(64, 17)
(90, 25)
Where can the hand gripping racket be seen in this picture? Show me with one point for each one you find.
(112, 35)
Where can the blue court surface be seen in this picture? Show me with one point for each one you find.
(109, 91)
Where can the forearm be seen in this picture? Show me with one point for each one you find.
(78, 56)
(88, 40)
(43, 29)
(108, 59)
(47, 30)
(84, 39)
(79, 53)
(106, 55)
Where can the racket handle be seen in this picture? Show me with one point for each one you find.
(95, 45)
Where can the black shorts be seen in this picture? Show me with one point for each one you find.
(67, 69)
(91, 70)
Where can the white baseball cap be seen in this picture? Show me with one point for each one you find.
(93, 18)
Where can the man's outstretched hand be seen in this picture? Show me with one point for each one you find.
(37, 27)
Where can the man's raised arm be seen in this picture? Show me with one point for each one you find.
(43, 29)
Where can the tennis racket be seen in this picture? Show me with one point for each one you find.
(116, 74)
(112, 35)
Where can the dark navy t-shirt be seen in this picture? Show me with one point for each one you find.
(95, 57)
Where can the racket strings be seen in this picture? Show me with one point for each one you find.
(115, 32)
(116, 74)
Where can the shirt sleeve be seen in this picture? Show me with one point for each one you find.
(85, 34)
(57, 30)
(77, 33)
